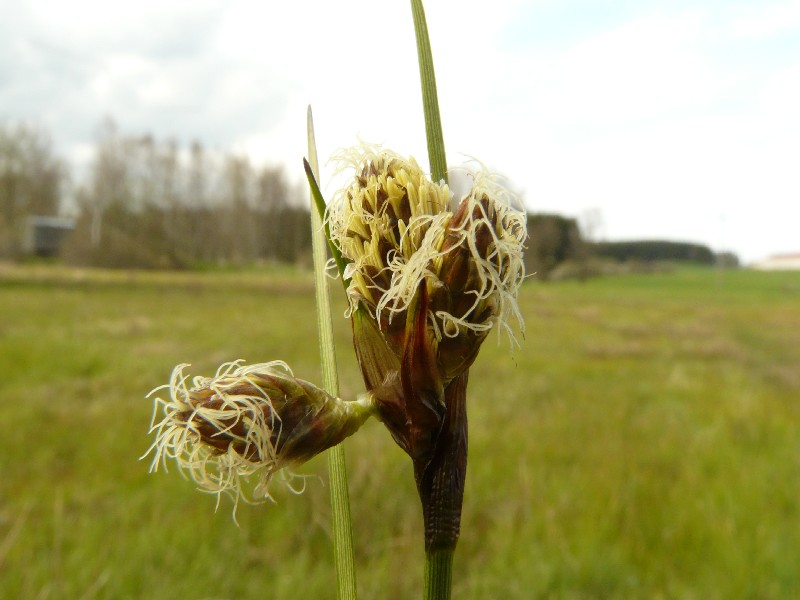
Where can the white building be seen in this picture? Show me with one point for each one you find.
(779, 262)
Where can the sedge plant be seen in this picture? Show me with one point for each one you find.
(427, 277)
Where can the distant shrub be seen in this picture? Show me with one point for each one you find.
(552, 240)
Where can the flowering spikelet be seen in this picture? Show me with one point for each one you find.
(395, 226)
(245, 420)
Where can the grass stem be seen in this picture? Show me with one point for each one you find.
(438, 560)
(340, 495)
(430, 98)
(438, 573)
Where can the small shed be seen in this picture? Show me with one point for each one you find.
(44, 235)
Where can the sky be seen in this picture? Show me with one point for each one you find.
(644, 120)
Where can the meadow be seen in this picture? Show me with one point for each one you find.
(642, 442)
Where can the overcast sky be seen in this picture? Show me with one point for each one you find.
(677, 120)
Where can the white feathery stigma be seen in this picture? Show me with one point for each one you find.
(391, 222)
(178, 437)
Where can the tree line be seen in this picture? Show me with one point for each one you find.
(149, 203)
(557, 247)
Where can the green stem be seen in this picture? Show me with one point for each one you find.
(440, 482)
(430, 98)
(340, 495)
(438, 574)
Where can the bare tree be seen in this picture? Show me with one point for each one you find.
(31, 182)
(201, 224)
(147, 204)
(236, 217)
(271, 200)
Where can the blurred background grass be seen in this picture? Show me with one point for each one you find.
(642, 443)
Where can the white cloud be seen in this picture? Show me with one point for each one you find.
(651, 119)
(768, 20)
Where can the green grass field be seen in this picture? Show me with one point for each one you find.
(644, 442)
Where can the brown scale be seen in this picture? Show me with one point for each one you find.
(394, 222)
(226, 432)
(380, 198)
(460, 283)
(230, 431)
(458, 273)
(377, 280)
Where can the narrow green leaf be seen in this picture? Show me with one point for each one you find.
(319, 202)
(340, 495)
